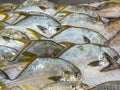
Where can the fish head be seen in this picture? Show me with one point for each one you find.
(70, 76)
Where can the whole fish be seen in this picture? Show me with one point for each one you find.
(81, 9)
(79, 36)
(110, 85)
(109, 10)
(88, 53)
(39, 6)
(82, 20)
(83, 55)
(41, 48)
(44, 71)
(42, 24)
(65, 86)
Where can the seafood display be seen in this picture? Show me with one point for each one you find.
(50, 46)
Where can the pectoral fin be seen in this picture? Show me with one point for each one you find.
(94, 63)
(55, 78)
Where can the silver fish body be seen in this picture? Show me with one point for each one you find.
(41, 70)
(81, 9)
(42, 24)
(77, 36)
(81, 20)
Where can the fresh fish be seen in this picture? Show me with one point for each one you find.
(82, 20)
(87, 53)
(7, 53)
(41, 48)
(44, 71)
(79, 36)
(42, 24)
(81, 9)
(39, 6)
(65, 86)
(7, 6)
(82, 55)
(110, 85)
(109, 10)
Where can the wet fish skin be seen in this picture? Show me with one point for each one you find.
(111, 85)
(39, 6)
(82, 20)
(65, 86)
(40, 65)
(77, 35)
(81, 9)
(33, 21)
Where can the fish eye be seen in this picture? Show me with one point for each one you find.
(58, 28)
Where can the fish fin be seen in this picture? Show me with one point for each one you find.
(29, 54)
(42, 7)
(66, 44)
(55, 78)
(5, 76)
(87, 40)
(6, 38)
(42, 28)
(3, 16)
(28, 59)
(112, 63)
(35, 34)
(94, 63)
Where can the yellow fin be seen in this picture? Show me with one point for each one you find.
(35, 34)
(3, 16)
(67, 44)
(28, 88)
(27, 59)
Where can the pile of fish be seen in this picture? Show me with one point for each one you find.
(46, 46)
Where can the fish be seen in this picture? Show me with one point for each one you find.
(38, 71)
(39, 6)
(79, 35)
(81, 9)
(109, 10)
(82, 55)
(7, 53)
(82, 20)
(65, 86)
(87, 53)
(40, 48)
(109, 85)
(7, 7)
(35, 22)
